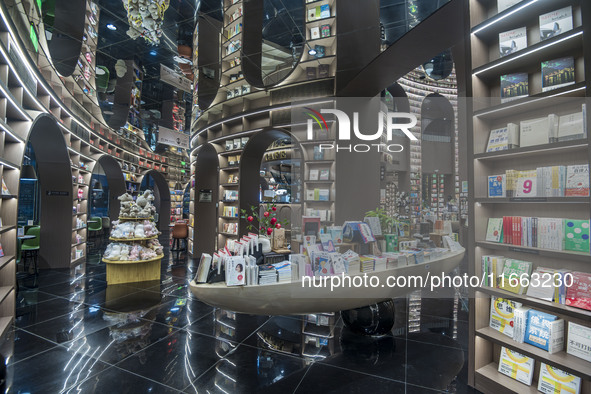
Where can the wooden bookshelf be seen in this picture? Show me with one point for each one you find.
(490, 113)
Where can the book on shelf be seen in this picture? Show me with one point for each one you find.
(5, 191)
(577, 181)
(512, 41)
(336, 233)
(324, 175)
(323, 70)
(513, 273)
(324, 11)
(319, 51)
(496, 186)
(314, 32)
(579, 341)
(556, 22)
(492, 268)
(576, 235)
(552, 380)
(502, 315)
(313, 176)
(1, 251)
(324, 31)
(502, 5)
(558, 73)
(503, 138)
(514, 86)
(545, 331)
(571, 127)
(537, 131)
(516, 365)
(520, 323)
(243, 141)
(494, 230)
(578, 295)
(311, 72)
(546, 287)
(526, 184)
(236, 143)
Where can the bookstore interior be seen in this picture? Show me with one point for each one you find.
(189, 207)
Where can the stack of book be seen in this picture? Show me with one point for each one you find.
(283, 271)
(367, 264)
(267, 274)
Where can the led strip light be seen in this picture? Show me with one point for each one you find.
(504, 16)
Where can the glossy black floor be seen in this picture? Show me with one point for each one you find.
(76, 334)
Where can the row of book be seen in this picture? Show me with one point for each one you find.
(537, 131)
(318, 194)
(544, 233)
(230, 228)
(230, 211)
(230, 195)
(551, 181)
(551, 380)
(236, 143)
(556, 73)
(551, 24)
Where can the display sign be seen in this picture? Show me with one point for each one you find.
(57, 193)
(526, 187)
(170, 137)
(175, 79)
(205, 195)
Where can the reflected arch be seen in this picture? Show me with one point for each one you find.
(205, 210)
(161, 196)
(55, 184)
(115, 181)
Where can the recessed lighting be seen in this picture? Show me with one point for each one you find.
(153, 53)
(312, 52)
(111, 26)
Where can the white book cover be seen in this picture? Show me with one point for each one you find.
(235, 271)
(579, 341)
(513, 132)
(553, 380)
(543, 288)
(533, 132)
(315, 33)
(516, 366)
(502, 5)
(203, 269)
(577, 180)
(313, 175)
(512, 41)
(556, 22)
(570, 127)
(502, 315)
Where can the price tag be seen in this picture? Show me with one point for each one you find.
(525, 187)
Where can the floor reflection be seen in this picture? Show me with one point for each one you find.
(74, 333)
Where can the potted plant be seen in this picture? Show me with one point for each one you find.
(266, 219)
(389, 227)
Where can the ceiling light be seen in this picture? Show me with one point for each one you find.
(312, 52)
(111, 26)
(153, 53)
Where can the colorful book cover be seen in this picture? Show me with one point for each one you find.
(516, 366)
(324, 31)
(578, 295)
(502, 315)
(494, 230)
(1, 251)
(545, 331)
(512, 41)
(496, 186)
(336, 233)
(577, 181)
(514, 86)
(327, 243)
(324, 11)
(5, 190)
(553, 380)
(576, 235)
(556, 22)
(558, 73)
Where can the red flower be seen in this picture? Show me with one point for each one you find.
(250, 218)
(270, 231)
(266, 214)
(273, 221)
(262, 227)
(278, 225)
(274, 209)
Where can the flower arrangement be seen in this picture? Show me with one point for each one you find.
(267, 222)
